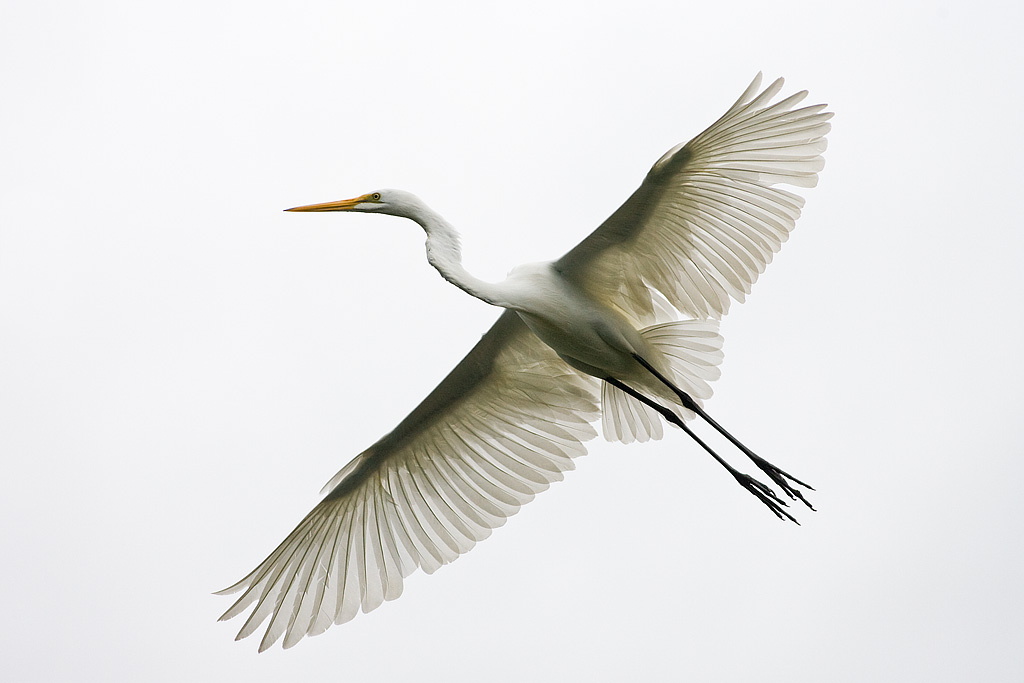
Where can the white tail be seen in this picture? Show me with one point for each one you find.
(693, 349)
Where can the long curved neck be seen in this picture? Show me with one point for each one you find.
(444, 252)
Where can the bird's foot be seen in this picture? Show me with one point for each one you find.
(766, 495)
(782, 479)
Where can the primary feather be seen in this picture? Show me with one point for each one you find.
(498, 430)
(707, 220)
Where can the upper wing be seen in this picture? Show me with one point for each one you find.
(503, 425)
(707, 219)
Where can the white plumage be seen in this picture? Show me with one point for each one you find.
(590, 335)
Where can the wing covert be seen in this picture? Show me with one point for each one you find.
(503, 425)
(707, 219)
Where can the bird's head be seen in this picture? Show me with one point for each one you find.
(392, 202)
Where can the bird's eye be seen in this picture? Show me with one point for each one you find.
(375, 196)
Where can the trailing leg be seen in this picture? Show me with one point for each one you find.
(776, 474)
(763, 493)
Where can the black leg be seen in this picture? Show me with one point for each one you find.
(761, 491)
(776, 474)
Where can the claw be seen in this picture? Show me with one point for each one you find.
(779, 477)
(766, 495)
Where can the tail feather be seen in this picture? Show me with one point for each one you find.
(693, 349)
(625, 419)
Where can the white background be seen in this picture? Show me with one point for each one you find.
(183, 365)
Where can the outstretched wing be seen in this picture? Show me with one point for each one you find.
(503, 425)
(707, 219)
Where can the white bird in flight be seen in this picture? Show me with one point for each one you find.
(593, 334)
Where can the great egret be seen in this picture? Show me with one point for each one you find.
(594, 333)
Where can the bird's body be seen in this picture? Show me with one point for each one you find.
(590, 337)
(593, 334)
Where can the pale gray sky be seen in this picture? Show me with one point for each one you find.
(182, 365)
